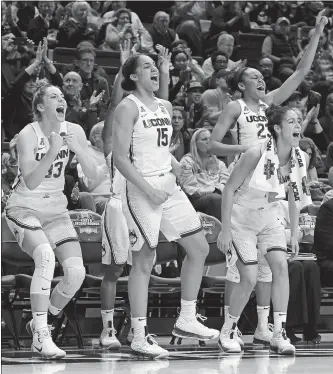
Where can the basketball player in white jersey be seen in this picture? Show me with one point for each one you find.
(142, 132)
(246, 120)
(251, 222)
(115, 239)
(36, 210)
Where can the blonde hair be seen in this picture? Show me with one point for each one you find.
(195, 154)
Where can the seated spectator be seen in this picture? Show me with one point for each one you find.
(101, 187)
(308, 146)
(25, 12)
(225, 43)
(21, 93)
(76, 29)
(9, 21)
(229, 17)
(266, 68)
(281, 49)
(192, 104)
(44, 24)
(323, 242)
(76, 112)
(75, 198)
(114, 33)
(329, 156)
(219, 62)
(203, 176)
(309, 98)
(160, 33)
(217, 99)
(185, 19)
(180, 140)
(326, 121)
(9, 167)
(91, 80)
(322, 65)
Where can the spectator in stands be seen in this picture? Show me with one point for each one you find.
(160, 32)
(323, 242)
(219, 62)
(9, 21)
(75, 198)
(91, 80)
(76, 29)
(229, 17)
(21, 93)
(180, 140)
(182, 73)
(26, 11)
(217, 99)
(266, 68)
(281, 49)
(43, 24)
(185, 19)
(326, 121)
(308, 146)
(225, 43)
(76, 112)
(112, 34)
(192, 104)
(203, 176)
(9, 166)
(100, 188)
(309, 98)
(323, 62)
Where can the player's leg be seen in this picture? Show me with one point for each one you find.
(273, 245)
(140, 213)
(115, 250)
(27, 229)
(264, 330)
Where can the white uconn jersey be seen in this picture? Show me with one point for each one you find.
(251, 127)
(151, 137)
(54, 180)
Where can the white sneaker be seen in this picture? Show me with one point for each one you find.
(263, 337)
(108, 338)
(238, 335)
(228, 342)
(280, 344)
(30, 327)
(43, 344)
(193, 329)
(148, 347)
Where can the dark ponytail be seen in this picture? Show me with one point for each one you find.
(129, 68)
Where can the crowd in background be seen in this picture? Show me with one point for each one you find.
(202, 39)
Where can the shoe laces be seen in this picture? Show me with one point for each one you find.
(201, 317)
(238, 332)
(111, 331)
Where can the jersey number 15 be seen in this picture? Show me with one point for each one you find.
(162, 138)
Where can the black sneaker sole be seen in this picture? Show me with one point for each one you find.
(189, 335)
(226, 350)
(287, 352)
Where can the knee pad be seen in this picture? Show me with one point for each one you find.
(74, 273)
(44, 269)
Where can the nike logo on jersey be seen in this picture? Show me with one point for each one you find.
(45, 289)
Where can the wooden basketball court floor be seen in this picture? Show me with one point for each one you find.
(183, 359)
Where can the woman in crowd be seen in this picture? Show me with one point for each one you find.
(203, 176)
(180, 140)
(112, 34)
(36, 210)
(307, 145)
(250, 220)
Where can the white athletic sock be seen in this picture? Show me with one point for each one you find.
(226, 311)
(40, 320)
(229, 322)
(107, 316)
(188, 309)
(54, 310)
(138, 325)
(279, 318)
(263, 314)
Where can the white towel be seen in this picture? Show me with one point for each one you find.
(267, 175)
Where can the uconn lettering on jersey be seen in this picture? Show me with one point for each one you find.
(61, 155)
(250, 119)
(154, 122)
